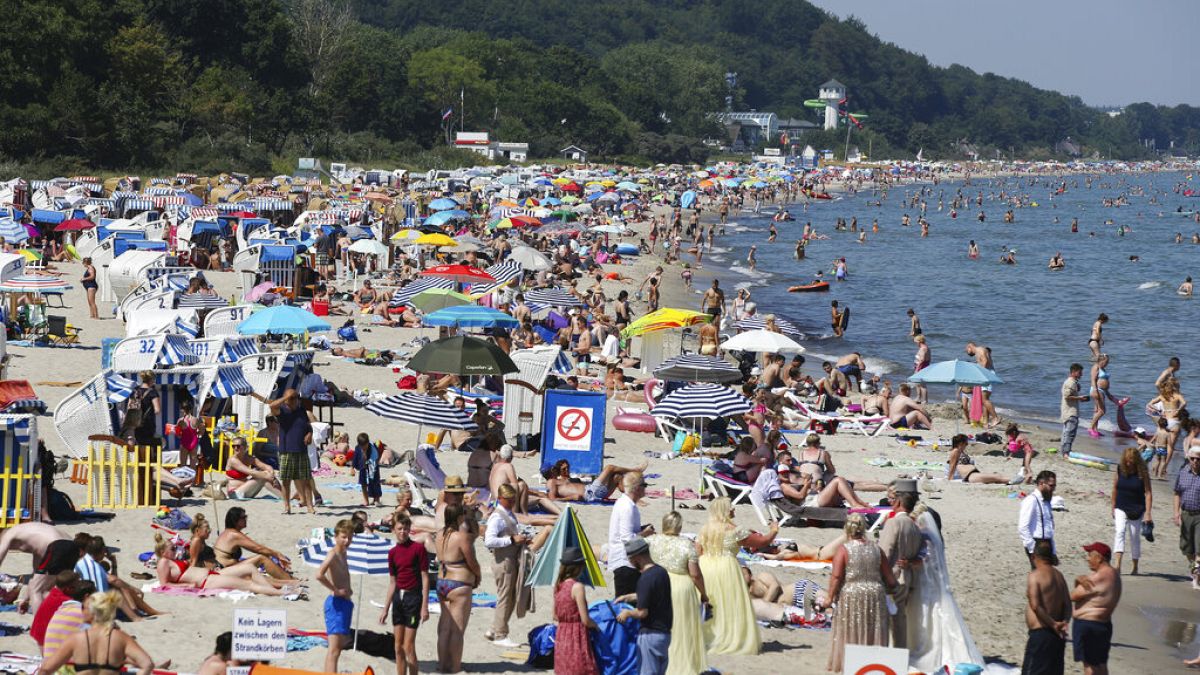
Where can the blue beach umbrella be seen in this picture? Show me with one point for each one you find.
(443, 204)
(470, 316)
(688, 199)
(442, 217)
(282, 320)
(957, 372)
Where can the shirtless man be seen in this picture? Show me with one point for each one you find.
(907, 413)
(521, 311)
(562, 487)
(1170, 371)
(852, 366)
(983, 357)
(836, 319)
(503, 472)
(1095, 597)
(1047, 614)
(921, 361)
(772, 374)
(36, 539)
(713, 301)
(836, 380)
(1097, 338)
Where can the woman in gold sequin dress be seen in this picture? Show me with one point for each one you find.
(861, 575)
(679, 558)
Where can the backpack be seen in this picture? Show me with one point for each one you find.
(133, 410)
(61, 507)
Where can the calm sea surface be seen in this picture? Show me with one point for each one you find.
(1036, 321)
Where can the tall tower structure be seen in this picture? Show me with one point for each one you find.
(831, 93)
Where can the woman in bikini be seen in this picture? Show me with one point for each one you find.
(1172, 406)
(1097, 338)
(962, 466)
(1099, 392)
(815, 459)
(174, 573)
(808, 552)
(232, 540)
(200, 554)
(247, 475)
(459, 576)
(101, 649)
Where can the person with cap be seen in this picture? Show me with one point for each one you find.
(503, 538)
(1047, 614)
(654, 610)
(1187, 511)
(572, 645)
(900, 541)
(624, 524)
(1036, 519)
(1095, 598)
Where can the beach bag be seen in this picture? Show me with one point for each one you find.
(348, 333)
(541, 647)
(133, 410)
(61, 507)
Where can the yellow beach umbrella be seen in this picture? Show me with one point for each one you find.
(663, 319)
(436, 239)
(406, 235)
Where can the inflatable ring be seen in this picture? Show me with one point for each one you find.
(640, 422)
(648, 391)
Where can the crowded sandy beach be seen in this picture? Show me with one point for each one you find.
(530, 396)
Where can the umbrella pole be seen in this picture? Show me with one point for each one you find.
(358, 610)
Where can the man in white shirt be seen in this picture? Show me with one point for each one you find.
(624, 524)
(504, 541)
(1036, 521)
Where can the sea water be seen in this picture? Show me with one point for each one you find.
(1036, 321)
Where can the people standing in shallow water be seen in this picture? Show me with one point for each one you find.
(973, 250)
(1057, 262)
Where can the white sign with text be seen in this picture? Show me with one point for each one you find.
(259, 634)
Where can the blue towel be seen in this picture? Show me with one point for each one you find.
(303, 643)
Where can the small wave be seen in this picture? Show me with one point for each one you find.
(1149, 284)
(746, 271)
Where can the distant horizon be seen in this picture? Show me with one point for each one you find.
(1113, 55)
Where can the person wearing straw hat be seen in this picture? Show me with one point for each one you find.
(572, 646)
(503, 538)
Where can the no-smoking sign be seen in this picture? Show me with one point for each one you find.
(573, 428)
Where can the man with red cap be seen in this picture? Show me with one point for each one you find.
(1095, 598)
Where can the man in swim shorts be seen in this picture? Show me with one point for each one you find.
(1047, 614)
(714, 300)
(1095, 597)
(852, 366)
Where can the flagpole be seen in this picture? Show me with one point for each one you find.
(462, 109)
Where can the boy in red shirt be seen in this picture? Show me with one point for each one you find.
(408, 593)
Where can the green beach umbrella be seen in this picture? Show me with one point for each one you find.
(462, 355)
(439, 298)
(567, 532)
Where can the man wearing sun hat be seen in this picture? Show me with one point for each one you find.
(1095, 598)
(1187, 511)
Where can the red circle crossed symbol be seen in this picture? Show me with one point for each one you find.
(573, 424)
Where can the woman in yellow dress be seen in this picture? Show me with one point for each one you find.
(734, 628)
(678, 557)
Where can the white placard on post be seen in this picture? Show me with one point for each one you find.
(864, 660)
(259, 634)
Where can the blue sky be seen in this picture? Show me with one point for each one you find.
(1107, 52)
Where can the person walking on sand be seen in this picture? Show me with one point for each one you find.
(1132, 502)
(1069, 409)
(408, 593)
(713, 300)
(1095, 597)
(1047, 615)
(1187, 512)
(295, 428)
(334, 574)
(624, 524)
(1036, 520)
(504, 540)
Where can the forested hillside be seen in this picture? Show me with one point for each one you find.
(180, 84)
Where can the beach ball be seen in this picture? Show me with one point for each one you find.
(340, 460)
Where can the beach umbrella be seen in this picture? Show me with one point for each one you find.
(468, 243)
(567, 532)
(74, 225)
(702, 401)
(405, 237)
(463, 274)
(444, 204)
(462, 355)
(762, 341)
(439, 298)
(555, 297)
(663, 319)
(609, 228)
(369, 247)
(282, 320)
(442, 217)
(688, 199)
(366, 555)
(423, 410)
(470, 316)
(564, 215)
(957, 372)
(34, 283)
(759, 322)
(12, 231)
(435, 239)
(698, 368)
(530, 259)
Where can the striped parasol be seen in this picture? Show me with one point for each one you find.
(698, 368)
(200, 301)
(368, 553)
(759, 322)
(34, 283)
(702, 401)
(424, 410)
(555, 297)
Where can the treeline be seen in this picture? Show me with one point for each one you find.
(206, 86)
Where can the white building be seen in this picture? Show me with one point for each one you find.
(832, 92)
(478, 142)
(751, 128)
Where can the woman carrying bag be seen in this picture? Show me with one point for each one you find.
(1131, 503)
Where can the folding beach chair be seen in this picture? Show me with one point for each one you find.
(60, 332)
(726, 485)
(866, 425)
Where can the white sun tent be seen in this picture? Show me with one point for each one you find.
(126, 272)
(523, 389)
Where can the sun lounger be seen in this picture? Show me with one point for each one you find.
(866, 425)
(726, 485)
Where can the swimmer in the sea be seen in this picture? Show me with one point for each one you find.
(1057, 262)
(1186, 287)
(972, 250)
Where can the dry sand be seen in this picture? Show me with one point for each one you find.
(987, 564)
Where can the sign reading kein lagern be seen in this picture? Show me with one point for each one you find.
(259, 634)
